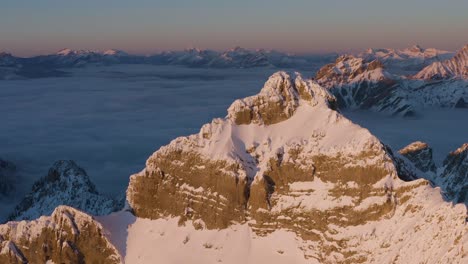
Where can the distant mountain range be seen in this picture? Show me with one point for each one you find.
(371, 82)
(232, 58)
(383, 80)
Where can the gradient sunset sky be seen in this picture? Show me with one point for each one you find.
(29, 27)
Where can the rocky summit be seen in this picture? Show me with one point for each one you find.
(285, 159)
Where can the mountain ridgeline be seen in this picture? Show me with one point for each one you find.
(286, 160)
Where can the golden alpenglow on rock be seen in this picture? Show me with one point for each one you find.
(283, 178)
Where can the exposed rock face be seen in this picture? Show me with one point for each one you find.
(358, 84)
(421, 155)
(7, 177)
(278, 100)
(305, 169)
(455, 67)
(67, 236)
(65, 184)
(455, 174)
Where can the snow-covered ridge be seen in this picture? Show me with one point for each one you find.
(406, 61)
(65, 184)
(421, 155)
(361, 84)
(456, 67)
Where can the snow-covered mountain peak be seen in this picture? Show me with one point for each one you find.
(456, 67)
(114, 52)
(70, 52)
(279, 98)
(460, 150)
(416, 48)
(66, 183)
(348, 69)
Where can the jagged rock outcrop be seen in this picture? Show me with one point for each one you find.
(285, 159)
(420, 154)
(358, 84)
(65, 184)
(67, 236)
(455, 175)
(7, 177)
(456, 67)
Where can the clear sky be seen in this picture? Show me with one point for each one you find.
(29, 27)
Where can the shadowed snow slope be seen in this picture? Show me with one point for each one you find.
(65, 184)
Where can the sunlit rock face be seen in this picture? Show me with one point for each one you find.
(286, 159)
(67, 236)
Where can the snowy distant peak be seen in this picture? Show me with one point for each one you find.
(114, 52)
(348, 69)
(456, 67)
(109, 52)
(70, 52)
(358, 83)
(67, 236)
(282, 94)
(68, 184)
(420, 154)
(415, 51)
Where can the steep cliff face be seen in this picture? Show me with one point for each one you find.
(455, 174)
(285, 160)
(67, 236)
(65, 184)
(421, 155)
(360, 84)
